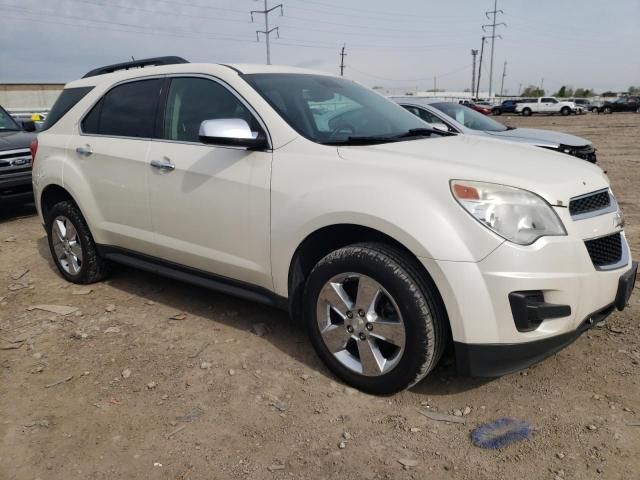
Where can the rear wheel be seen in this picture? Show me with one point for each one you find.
(72, 247)
(607, 110)
(526, 112)
(595, 110)
(565, 111)
(375, 320)
(496, 112)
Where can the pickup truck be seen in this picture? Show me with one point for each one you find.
(548, 105)
(15, 160)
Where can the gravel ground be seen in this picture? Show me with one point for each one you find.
(154, 379)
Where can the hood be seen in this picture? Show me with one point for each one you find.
(541, 138)
(554, 176)
(13, 140)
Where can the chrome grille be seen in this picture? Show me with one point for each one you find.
(15, 161)
(590, 203)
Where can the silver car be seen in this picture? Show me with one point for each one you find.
(457, 118)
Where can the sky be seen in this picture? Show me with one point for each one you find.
(399, 44)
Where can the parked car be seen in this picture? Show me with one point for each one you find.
(585, 104)
(15, 160)
(623, 104)
(483, 109)
(387, 238)
(456, 118)
(548, 105)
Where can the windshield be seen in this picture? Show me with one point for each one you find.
(7, 122)
(469, 118)
(332, 110)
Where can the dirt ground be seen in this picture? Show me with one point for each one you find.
(119, 390)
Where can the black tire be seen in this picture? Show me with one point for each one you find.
(607, 110)
(565, 111)
(595, 110)
(423, 313)
(526, 112)
(93, 268)
(497, 112)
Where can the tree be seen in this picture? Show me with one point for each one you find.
(532, 91)
(634, 90)
(564, 92)
(583, 92)
(609, 94)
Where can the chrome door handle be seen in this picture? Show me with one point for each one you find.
(164, 164)
(84, 151)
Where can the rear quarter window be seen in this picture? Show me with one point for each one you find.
(65, 102)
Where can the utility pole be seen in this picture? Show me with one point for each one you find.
(342, 55)
(542, 85)
(474, 54)
(504, 74)
(493, 36)
(434, 85)
(484, 39)
(266, 30)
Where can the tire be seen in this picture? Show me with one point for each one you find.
(607, 110)
(497, 112)
(565, 111)
(405, 296)
(526, 112)
(638, 110)
(75, 254)
(595, 110)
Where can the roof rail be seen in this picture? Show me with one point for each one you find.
(145, 62)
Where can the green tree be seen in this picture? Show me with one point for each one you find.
(532, 91)
(634, 90)
(564, 92)
(583, 92)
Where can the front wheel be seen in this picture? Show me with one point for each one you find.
(374, 318)
(72, 247)
(526, 112)
(565, 111)
(607, 110)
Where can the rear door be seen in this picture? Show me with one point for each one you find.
(210, 204)
(111, 152)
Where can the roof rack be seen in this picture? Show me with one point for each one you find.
(145, 62)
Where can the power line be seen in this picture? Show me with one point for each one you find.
(413, 80)
(493, 26)
(267, 33)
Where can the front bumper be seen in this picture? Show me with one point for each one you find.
(15, 188)
(560, 274)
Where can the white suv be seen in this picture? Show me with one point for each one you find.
(386, 239)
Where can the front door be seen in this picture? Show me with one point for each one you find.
(210, 204)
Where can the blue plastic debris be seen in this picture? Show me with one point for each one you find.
(500, 433)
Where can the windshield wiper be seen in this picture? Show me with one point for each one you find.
(375, 139)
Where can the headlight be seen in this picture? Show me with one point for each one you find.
(515, 214)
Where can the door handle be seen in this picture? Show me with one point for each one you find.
(84, 151)
(164, 164)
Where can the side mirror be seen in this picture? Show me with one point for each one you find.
(440, 126)
(234, 132)
(28, 126)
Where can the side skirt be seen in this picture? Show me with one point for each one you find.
(194, 276)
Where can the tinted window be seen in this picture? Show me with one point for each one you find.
(311, 103)
(127, 110)
(65, 102)
(423, 114)
(7, 122)
(469, 118)
(193, 100)
(549, 100)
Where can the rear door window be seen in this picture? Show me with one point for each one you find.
(128, 110)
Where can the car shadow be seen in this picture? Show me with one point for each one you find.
(8, 214)
(284, 333)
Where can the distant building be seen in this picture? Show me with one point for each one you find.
(29, 96)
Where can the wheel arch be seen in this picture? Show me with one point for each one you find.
(326, 239)
(52, 194)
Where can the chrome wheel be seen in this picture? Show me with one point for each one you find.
(66, 245)
(360, 324)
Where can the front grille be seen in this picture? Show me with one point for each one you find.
(589, 203)
(15, 161)
(605, 250)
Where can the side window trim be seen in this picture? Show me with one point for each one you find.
(163, 106)
(100, 100)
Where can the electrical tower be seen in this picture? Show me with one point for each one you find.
(342, 55)
(266, 30)
(493, 36)
(504, 74)
(484, 40)
(474, 54)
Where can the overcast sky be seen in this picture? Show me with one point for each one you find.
(401, 43)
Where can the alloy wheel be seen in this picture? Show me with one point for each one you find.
(66, 245)
(360, 324)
